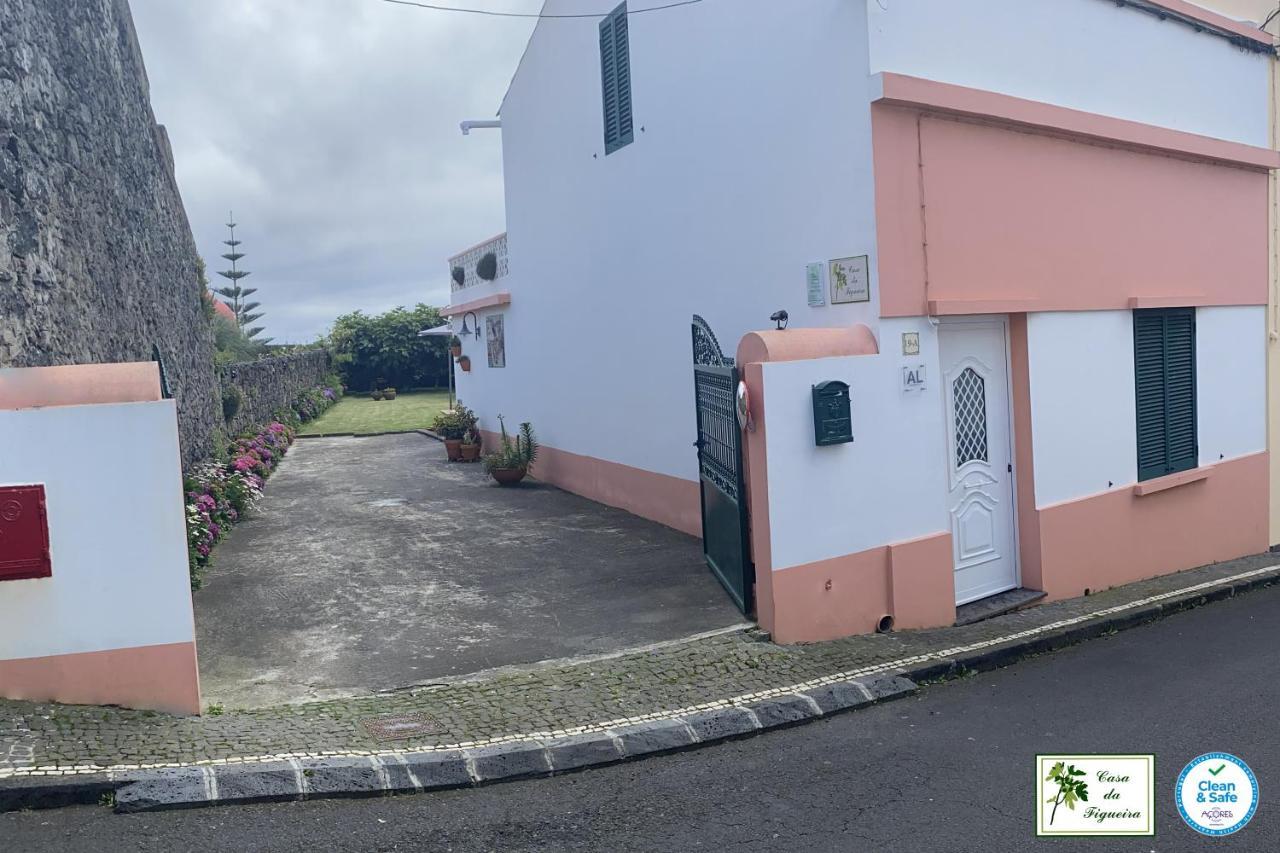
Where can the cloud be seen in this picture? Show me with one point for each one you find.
(330, 127)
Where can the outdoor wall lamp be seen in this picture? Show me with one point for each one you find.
(465, 331)
(780, 317)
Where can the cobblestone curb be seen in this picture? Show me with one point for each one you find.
(387, 775)
(874, 676)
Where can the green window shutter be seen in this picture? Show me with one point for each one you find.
(1164, 358)
(615, 80)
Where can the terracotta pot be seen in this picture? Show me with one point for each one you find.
(456, 351)
(453, 448)
(465, 363)
(388, 395)
(508, 476)
(470, 452)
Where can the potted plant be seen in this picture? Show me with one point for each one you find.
(375, 394)
(388, 393)
(487, 266)
(510, 463)
(471, 445)
(449, 427)
(465, 363)
(459, 276)
(455, 346)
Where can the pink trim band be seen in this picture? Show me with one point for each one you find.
(491, 301)
(945, 307)
(79, 385)
(1215, 20)
(658, 497)
(1169, 301)
(495, 238)
(903, 90)
(911, 581)
(1118, 537)
(160, 678)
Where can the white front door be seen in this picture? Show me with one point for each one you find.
(979, 457)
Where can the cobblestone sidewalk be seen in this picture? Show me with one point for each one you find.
(551, 701)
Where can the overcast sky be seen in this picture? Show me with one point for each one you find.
(330, 127)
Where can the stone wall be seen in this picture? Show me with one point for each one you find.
(271, 384)
(97, 261)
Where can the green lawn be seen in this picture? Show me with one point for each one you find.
(362, 415)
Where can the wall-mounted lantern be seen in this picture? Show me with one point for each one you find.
(465, 331)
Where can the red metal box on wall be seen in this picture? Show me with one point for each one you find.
(24, 534)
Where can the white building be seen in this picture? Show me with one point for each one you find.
(1028, 200)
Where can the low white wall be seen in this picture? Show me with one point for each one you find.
(1073, 53)
(1083, 414)
(888, 485)
(117, 533)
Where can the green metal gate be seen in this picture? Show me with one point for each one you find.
(724, 506)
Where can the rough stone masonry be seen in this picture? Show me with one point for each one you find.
(97, 260)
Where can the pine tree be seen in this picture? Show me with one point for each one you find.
(236, 296)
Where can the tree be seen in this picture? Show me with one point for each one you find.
(386, 346)
(236, 295)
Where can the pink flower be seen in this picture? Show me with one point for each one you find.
(244, 463)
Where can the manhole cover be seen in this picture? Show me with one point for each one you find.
(401, 726)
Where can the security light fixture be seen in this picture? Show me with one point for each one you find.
(779, 317)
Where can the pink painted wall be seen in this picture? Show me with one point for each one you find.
(1095, 231)
(912, 581)
(1119, 536)
(668, 500)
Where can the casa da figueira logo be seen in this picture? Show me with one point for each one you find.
(1217, 794)
(1095, 794)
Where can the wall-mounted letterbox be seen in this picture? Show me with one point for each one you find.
(24, 534)
(832, 423)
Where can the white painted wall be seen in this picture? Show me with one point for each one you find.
(1231, 381)
(117, 532)
(1083, 416)
(1085, 54)
(886, 486)
(751, 158)
(1082, 395)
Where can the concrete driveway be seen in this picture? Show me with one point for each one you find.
(374, 564)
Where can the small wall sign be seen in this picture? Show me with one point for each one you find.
(850, 281)
(913, 378)
(910, 343)
(813, 279)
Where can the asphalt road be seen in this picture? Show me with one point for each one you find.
(950, 770)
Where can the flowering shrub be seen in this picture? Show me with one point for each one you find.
(220, 493)
(311, 404)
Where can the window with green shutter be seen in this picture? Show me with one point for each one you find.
(1164, 361)
(615, 80)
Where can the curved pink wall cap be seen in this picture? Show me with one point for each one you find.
(79, 385)
(802, 344)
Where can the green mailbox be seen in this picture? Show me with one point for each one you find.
(832, 423)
